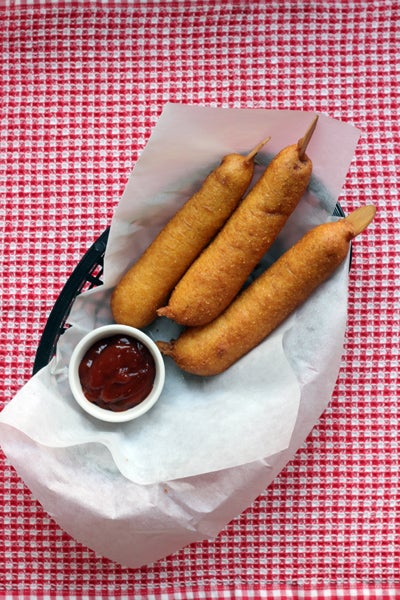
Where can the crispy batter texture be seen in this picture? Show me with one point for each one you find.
(146, 285)
(213, 348)
(218, 274)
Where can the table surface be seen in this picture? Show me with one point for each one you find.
(82, 86)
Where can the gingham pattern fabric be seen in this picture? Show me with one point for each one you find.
(82, 85)
(236, 593)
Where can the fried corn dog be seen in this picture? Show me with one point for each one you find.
(147, 284)
(217, 275)
(213, 348)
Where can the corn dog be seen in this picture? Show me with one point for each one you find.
(217, 275)
(213, 348)
(147, 284)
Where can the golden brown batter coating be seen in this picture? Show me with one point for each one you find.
(213, 348)
(146, 285)
(218, 274)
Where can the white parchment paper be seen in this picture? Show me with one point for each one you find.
(210, 445)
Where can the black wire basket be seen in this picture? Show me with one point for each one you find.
(87, 274)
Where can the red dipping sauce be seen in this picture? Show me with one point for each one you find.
(117, 372)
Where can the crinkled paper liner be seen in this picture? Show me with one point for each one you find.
(123, 500)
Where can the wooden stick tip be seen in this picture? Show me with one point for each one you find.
(361, 218)
(257, 149)
(304, 141)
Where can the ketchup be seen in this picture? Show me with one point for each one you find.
(117, 373)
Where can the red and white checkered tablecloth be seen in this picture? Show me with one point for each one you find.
(82, 85)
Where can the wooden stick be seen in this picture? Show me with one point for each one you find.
(304, 141)
(361, 218)
(257, 148)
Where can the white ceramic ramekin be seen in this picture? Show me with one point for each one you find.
(101, 413)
